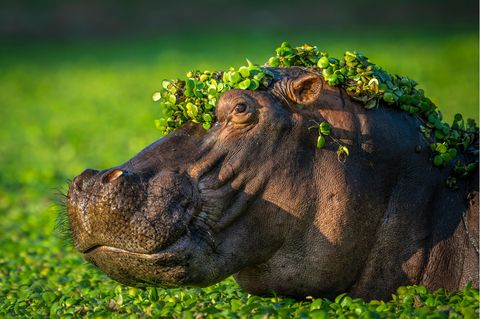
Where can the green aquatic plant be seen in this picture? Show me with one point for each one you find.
(194, 99)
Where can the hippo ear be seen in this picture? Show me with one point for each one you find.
(305, 89)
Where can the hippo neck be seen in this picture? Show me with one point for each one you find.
(425, 246)
(454, 242)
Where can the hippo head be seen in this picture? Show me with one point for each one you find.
(254, 197)
(197, 206)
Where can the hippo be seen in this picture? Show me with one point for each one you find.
(254, 197)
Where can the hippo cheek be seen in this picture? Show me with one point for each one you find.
(167, 268)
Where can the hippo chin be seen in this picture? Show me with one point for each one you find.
(255, 198)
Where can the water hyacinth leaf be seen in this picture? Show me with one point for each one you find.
(226, 77)
(371, 104)
(160, 122)
(255, 70)
(320, 141)
(441, 148)
(165, 84)
(192, 110)
(437, 160)
(432, 118)
(190, 84)
(470, 167)
(245, 84)
(342, 153)
(373, 84)
(439, 134)
(244, 71)
(254, 84)
(388, 97)
(207, 117)
(324, 128)
(318, 314)
(323, 62)
(212, 89)
(156, 96)
(332, 79)
(235, 77)
(452, 152)
(259, 77)
(326, 72)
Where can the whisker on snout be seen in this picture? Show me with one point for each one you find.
(62, 227)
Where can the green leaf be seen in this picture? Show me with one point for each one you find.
(207, 117)
(190, 84)
(192, 110)
(212, 89)
(274, 62)
(245, 84)
(373, 103)
(452, 152)
(470, 167)
(320, 141)
(156, 96)
(318, 314)
(342, 153)
(235, 77)
(323, 62)
(49, 296)
(438, 161)
(165, 84)
(244, 71)
(339, 298)
(439, 134)
(388, 97)
(324, 128)
(440, 148)
(253, 84)
(316, 304)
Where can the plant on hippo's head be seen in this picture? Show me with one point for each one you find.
(194, 99)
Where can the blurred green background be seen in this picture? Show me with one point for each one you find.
(76, 80)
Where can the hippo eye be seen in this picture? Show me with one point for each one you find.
(240, 108)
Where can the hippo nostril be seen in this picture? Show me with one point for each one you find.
(112, 176)
(78, 181)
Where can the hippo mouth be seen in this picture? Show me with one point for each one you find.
(100, 248)
(167, 267)
(95, 249)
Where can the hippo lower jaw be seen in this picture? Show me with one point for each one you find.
(167, 268)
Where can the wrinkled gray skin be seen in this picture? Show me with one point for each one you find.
(253, 197)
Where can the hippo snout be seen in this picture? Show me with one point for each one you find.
(135, 212)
